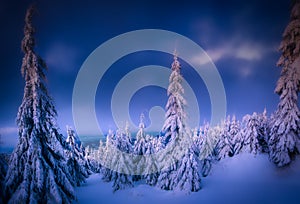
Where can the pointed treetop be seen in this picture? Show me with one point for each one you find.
(28, 40)
(176, 65)
(265, 111)
(110, 132)
(142, 124)
(127, 126)
(175, 55)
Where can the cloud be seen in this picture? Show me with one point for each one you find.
(244, 50)
(234, 42)
(61, 57)
(8, 130)
(248, 51)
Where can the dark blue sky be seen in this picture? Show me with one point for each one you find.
(241, 37)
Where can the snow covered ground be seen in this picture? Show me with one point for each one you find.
(244, 178)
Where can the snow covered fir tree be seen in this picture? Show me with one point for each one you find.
(206, 148)
(151, 164)
(121, 177)
(76, 158)
(224, 147)
(175, 108)
(107, 157)
(284, 142)
(255, 133)
(140, 148)
(37, 171)
(182, 172)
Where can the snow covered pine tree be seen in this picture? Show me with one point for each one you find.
(182, 173)
(224, 146)
(206, 154)
(123, 164)
(140, 149)
(255, 133)
(264, 130)
(284, 142)
(37, 171)
(236, 139)
(76, 158)
(151, 166)
(107, 157)
(252, 133)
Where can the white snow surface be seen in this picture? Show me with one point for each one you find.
(244, 178)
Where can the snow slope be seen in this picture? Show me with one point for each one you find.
(244, 178)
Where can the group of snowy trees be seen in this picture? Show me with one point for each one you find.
(249, 136)
(177, 165)
(45, 167)
(280, 135)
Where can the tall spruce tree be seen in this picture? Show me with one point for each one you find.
(175, 109)
(284, 140)
(182, 172)
(174, 126)
(37, 171)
